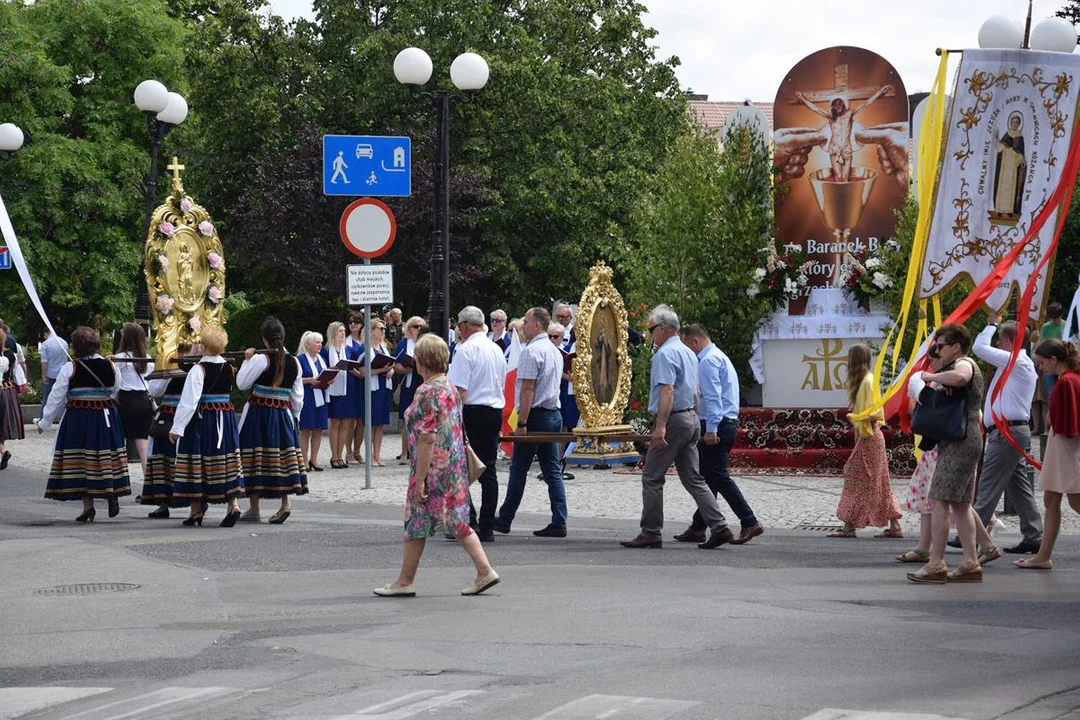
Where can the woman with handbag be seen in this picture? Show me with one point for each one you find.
(208, 468)
(959, 445)
(269, 438)
(133, 403)
(161, 454)
(90, 459)
(1061, 463)
(867, 499)
(438, 492)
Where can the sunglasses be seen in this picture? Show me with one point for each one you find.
(496, 320)
(555, 337)
(356, 322)
(653, 327)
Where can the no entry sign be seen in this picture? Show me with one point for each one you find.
(368, 227)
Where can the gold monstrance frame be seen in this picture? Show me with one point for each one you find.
(602, 371)
(184, 265)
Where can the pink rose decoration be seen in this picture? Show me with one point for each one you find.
(167, 229)
(195, 324)
(163, 262)
(206, 228)
(215, 294)
(185, 206)
(215, 260)
(164, 304)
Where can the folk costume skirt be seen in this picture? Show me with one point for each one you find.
(11, 419)
(161, 464)
(208, 456)
(90, 456)
(867, 499)
(270, 446)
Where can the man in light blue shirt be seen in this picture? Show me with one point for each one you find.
(54, 354)
(718, 407)
(672, 399)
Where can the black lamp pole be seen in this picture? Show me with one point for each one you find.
(439, 293)
(158, 130)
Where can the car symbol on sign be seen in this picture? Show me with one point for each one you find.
(364, 150)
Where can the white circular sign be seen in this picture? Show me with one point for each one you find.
(368, 227)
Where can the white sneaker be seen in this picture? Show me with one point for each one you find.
(995, 525)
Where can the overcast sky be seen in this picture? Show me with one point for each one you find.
(733, 49)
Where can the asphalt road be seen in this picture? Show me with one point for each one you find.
(263, 621)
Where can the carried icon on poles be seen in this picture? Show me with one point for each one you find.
(383, 164)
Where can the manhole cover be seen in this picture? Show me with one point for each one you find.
(86, 589)
(818, 528)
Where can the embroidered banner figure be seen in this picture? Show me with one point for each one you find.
(1010, 129)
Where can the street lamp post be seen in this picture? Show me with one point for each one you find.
(469, 73)
(164, 110)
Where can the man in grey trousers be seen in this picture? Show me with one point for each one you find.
(1003, 467)
(673, 400)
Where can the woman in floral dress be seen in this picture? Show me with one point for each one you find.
(438, 493)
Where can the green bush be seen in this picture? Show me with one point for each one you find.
(297, 314)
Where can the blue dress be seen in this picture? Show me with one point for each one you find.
(381, 394)
(409, 384)
(208, 464)
(269, 441)
(312, 417)
(161, 457)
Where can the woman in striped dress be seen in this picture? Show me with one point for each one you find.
(11, 420)
(90, 456)
(208, 466)
(269, 438)
(160, 453)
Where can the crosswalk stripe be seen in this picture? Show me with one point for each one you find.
(623, 707)
(154, 701)
(410, 705)
(835, 714)
(16, 701)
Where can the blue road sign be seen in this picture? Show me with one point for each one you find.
(367, 165)
(5, 258)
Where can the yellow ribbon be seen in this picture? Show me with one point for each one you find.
(931, 144)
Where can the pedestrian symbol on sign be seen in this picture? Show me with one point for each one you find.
(339, 169)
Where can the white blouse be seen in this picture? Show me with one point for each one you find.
(339, 387)
(130, 378)
(58, 396)
(254, 367)
(191, 397)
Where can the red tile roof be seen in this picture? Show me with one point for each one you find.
(712, 114)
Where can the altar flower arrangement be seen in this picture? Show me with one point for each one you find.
(780, 277)
(206, 228)
(167, 229)
(163, 262)
(195, 324)
(867, 277)
(214, 294)
(215, 260)
(164, 304)
(185, 206)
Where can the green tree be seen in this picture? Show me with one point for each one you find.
(67, 73)
(699, 230)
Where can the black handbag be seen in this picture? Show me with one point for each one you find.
(161, 426)
(939, 416)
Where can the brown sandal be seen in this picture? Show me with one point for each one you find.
(891, 533)
(914, 556)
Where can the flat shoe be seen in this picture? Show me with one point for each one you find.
(748, 533)
(280, 516)
(688, 535)
(717, 538)
(841, 534)
(640, 542)
(1027, 564)
(898, 534)
(489, 580)
(387, 591)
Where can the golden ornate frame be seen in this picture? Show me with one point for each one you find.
(601, 295)
(184, 266)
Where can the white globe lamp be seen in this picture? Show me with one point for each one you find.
(11, 137)
(469, 71)
(1055, 35)
(412, 66)
(175, 111)
(151, 96)
(1001, 31)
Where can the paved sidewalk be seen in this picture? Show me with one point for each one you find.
(778, 501)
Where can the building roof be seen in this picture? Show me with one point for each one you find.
(712, 114)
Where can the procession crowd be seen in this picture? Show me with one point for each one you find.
(196, 452)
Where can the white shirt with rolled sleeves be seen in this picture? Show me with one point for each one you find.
(479, 368)
(1014, 404)
(255, 366)
(543, 362)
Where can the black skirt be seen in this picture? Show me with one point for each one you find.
(136, 412)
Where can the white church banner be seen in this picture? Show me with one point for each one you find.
(1009, 133)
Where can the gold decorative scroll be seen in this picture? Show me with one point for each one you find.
(184, 264)
(601, 371)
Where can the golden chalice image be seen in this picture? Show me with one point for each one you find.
(842, 201)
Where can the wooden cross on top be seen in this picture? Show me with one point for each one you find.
(840, 89)
(175, 167)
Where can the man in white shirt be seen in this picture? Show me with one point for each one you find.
(479, 374)
(536, 397)
(1002, 465)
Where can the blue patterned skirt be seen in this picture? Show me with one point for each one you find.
(270, 446)
(90, 456)
(208, 456)
(161, 463)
